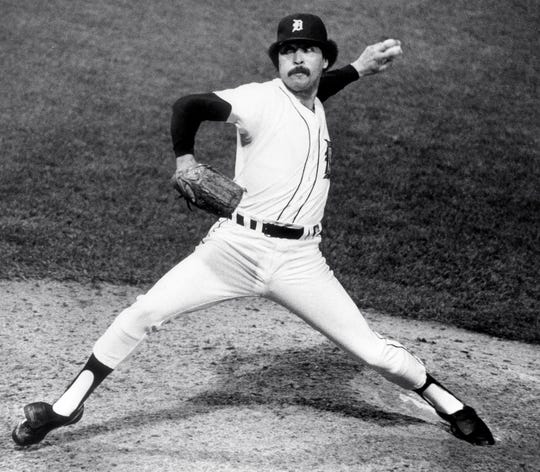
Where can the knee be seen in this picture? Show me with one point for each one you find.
(137, 320)
(397, 365)
(380, 356)
(123, 335)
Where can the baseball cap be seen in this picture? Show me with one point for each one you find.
(303, 27)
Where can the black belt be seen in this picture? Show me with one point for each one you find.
(276, 230)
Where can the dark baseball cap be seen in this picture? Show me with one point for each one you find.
(305, 28)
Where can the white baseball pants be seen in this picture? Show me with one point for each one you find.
(233, 261)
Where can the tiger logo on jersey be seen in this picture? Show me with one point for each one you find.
(328, 159)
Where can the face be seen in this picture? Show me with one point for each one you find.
(301, 66)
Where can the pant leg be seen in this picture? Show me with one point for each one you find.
(212, 273)
(309, 289)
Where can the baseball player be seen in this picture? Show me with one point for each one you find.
(267, 244)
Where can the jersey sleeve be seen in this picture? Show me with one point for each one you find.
(247, 106)
(188, 113)
(335, 80)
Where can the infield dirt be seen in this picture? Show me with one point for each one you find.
(246, 386)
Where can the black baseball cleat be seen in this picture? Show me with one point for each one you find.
(40, 420)
(466, 424)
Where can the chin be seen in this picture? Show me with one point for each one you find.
(299, 85)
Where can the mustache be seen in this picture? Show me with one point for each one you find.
(299, 70)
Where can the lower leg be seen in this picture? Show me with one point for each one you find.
(439, 397)
(115, 345)
(88, 379)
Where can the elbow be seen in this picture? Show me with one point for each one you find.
(182, 104)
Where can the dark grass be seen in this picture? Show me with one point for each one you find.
(434, 209)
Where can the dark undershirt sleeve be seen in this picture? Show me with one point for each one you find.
(187, 115)
(335, 80)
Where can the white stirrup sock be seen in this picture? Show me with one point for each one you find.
(441, 399)
(74, 395)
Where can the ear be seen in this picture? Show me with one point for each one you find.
(325, 63)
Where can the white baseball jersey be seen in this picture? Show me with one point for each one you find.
(287, 179)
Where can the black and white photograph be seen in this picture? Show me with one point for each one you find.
(254, 236)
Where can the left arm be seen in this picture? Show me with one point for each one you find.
(374, 59)
(335, 80)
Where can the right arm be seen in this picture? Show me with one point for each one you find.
(374, 59)
(188, 114)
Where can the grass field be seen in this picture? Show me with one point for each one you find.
(434, 209)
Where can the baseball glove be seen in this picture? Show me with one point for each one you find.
(208, 189)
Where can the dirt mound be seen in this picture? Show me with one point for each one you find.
(246, 386)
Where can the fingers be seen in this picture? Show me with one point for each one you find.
(392, 52)
(389, 49)
(389, 43)
(189, 192)
(378, 57)
(183, 187)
